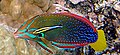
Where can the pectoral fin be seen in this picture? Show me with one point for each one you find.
(100, 44)
(32, 43)
(44, 47)
(48, 44)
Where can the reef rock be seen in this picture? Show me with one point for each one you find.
(76, 1)
(30, 10)
(5, 6)
(7, 42)
(16, 9)
(21, 10)
(117, 6)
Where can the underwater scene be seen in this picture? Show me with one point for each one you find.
(59, 27)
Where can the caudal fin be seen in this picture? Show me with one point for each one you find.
(100, 44)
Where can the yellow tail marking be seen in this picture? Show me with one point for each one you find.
(100, 44)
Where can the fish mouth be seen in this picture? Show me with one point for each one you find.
(16, 36)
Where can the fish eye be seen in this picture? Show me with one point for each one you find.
(41, 34)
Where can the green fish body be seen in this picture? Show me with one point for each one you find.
(64, 30)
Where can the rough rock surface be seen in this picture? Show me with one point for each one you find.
(7, 42)
(21, 10)
(12, 14)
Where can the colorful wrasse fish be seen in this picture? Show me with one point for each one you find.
(64, 30)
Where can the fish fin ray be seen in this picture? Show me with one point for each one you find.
(45, 47)
(48, 44)
(63, 45)
(100, 44)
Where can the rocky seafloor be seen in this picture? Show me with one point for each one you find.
(103, 14)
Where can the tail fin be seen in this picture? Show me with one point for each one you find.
(100, 44)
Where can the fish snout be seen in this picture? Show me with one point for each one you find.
(16, 36)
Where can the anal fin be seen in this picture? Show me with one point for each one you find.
(63, 45)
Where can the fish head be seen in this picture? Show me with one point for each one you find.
(28, 34)
(27, 29)
(25, 32)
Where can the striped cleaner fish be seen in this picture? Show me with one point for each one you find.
(63, 30)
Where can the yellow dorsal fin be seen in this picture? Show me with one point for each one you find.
(100, 44)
